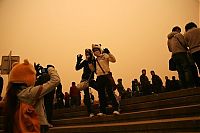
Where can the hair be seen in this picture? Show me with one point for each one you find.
(12, 104)
(190, 26)
(176, 28)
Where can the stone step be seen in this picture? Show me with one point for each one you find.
(183, 111)
(164, 103)
(141, 99)
(162, 96)
(189, 124)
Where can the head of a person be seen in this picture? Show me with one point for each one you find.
(88, 53)
(173, 78)
(166, 77)
(96, 48)
(21, 76)
(119, 80)
(144, 71)
(152, 73)
(73, 83)
(190, 25)
(176, 29)
(23, 73)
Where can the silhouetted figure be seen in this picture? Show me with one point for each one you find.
(145, 84)
(157, 83)
(75, 95)
(167, 84)
(120, 89)
(177, 45)
(59, 97)
(135, 87)
(1, 86)
(128, 93)
(175, 84)
(67, 100)
(192, 38)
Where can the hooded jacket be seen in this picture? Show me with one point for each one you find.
(176, 43)
(192, 38)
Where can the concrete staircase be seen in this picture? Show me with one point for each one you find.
(177, 111)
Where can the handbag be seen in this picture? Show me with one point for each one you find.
(26, 118)
(83, 84)
(172, 65)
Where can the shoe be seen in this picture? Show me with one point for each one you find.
(100, 114)
(91, 115)
(116, 113)
(50, 126)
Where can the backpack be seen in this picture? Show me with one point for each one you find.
(26, 118)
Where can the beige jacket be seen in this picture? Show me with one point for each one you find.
(104, 62)
(192, 38)
(176, 43)
(28, 95)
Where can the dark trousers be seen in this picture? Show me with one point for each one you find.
(104, 85)
(87, 101)
(196, 57)
(184, 69)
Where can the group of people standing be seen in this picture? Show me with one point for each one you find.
(97, 62)
(186, 54)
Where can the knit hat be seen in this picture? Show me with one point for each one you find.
(96, 46)
(23, 73)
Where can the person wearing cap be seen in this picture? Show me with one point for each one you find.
(21, 88)
(104, 84)
(88, 74)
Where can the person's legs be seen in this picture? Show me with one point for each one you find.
(196, 57)
(88, 101)
(101, 93)
(112, 96)
(44, 128)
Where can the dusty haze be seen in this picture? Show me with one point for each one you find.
(55, 31)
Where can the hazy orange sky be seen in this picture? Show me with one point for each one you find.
(55, 31)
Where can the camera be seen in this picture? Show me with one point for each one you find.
(39, 69)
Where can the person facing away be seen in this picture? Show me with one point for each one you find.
(21, 89)
(145, 83)
(75, 95)
(136, 87)
(192, 38)
(103, 83)
(120, 88)
(67, 99)
(88, 66)
(59, 96)
(157, 83)
(167, 84)
(177, 45)
(175, 84)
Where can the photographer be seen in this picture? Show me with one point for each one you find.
(43, 77)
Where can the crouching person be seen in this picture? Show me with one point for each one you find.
(24, 102)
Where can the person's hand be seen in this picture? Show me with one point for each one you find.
(106, 51)
(79, 57)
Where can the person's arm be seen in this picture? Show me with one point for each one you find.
(111, 58)
(80, 65)
(46, 87)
